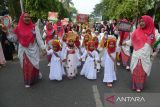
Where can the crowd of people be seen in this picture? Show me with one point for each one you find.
(70, 46)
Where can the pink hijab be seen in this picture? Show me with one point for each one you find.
(25, 32)
(146, 35)
(58, 27)
(48, 30)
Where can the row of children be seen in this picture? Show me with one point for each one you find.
(68, 53)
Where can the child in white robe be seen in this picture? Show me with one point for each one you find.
(95, 39)
(71, 55)
(89, 69)
(56, 68)
(84, 44)
(108, 59)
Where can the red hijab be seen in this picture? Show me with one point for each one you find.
(95, 39)
(77, 42)
(58, 27)
(25, 32)
(49, 32)
(145, 35)
(91, 43)
(113, 48)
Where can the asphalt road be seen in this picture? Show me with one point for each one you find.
(78, 92)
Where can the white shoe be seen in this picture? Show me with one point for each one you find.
(27, 86)
(118, 63)
(49, 64)
(127, 67)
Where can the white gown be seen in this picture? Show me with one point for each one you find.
(89, 69)
(109, 67)
(71, 66)
(56, 68)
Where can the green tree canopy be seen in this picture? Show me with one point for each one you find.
(129, 9)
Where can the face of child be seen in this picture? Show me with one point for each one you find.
(111, 45)
(96, 33)
(91, 48)
(55, 48)
(88, 32)
(64, 38)
(71, 43)
(86, 38)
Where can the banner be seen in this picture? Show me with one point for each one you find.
(65, 21)
(82, 18)
(53, 16)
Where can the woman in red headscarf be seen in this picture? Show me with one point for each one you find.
(49, 33)
(29, 38)
(142, 40)
(58, 27)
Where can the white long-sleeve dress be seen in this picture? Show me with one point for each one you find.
(56, 68)
(109, 67)
(71, 66)
(89, 69)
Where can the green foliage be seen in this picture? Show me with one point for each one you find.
(40, 8)
(129, 9)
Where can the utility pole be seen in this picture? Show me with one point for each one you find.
(21, 4)
(137, 13)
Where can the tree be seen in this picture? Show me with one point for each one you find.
(40, 8)
(11, 7)
(126, 8)
(69, 6)
(99, 9)
(67, 3)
